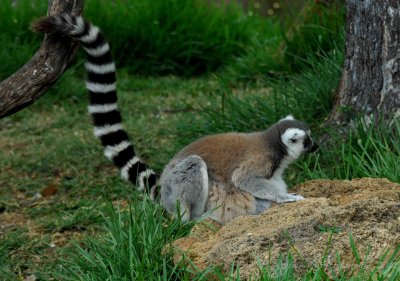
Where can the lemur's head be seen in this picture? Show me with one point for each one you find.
(295, 135)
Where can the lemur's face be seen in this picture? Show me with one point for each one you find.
(297, 142)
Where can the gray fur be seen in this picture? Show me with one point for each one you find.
(262, 205)
(274, 191)
(186, 183)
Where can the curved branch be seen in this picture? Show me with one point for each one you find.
(30, 82)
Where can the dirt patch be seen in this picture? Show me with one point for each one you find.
(12, 221)
(366, 209)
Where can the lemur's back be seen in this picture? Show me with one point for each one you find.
(222, 153)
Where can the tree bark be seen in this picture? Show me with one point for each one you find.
(30, 82)
(370, 84)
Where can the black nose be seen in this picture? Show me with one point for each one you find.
(314, 147)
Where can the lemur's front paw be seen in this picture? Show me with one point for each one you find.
(290, 197)
(298, 196)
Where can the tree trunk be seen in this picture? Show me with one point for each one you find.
(29, 83)
(370, 84)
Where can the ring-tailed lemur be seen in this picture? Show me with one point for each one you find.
(225, 175)
(234, 174)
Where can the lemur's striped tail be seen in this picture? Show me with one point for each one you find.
(101, 85)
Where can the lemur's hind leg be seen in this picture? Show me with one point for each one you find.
(186, 183)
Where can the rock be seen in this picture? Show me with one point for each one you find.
(368, 210)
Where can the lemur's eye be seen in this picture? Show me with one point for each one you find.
(293, 140)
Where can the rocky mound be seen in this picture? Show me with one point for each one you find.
(368, 210)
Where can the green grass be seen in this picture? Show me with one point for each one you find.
(131, 249)
(367, 152)
(17, 42)
(159, 37)
(186, 37)
(289, 46)
(315, 30)
(263, 56)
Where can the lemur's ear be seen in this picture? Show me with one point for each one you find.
(289, 117)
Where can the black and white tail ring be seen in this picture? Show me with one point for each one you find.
(101, 86)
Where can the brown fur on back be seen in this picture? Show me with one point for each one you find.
(226, 152)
